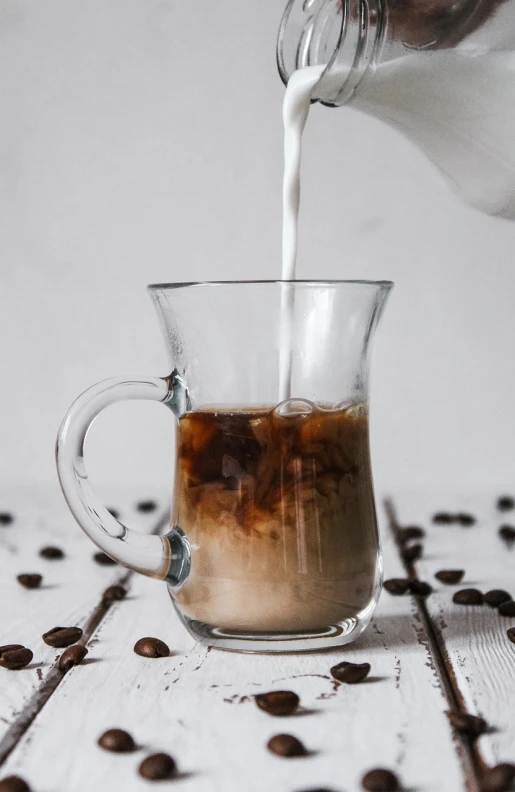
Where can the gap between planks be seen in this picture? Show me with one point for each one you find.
(472, 761)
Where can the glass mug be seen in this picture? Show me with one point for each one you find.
(273, 543)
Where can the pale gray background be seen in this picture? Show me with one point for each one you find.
(140, 141)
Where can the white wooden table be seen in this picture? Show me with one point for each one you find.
(427, 657)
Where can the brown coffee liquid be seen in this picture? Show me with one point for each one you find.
(278, 508)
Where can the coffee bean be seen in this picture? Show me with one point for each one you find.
(113, 594)
(114, 513)
(511, 634)
(59, 637)
(286, 745)
(468, 596)
(51, 553)
(146, 506)
(443, 518)
(350, 673)
(6, 518)
(380, 781)
(103, 559)
(157, 767)
(498, 778)
(471, 725)
(507, 608)
(505, 503)
(420, 589)
(507, 533)
(411, 553)
(496, 597)
(15, 656)
(278, 702)
(30, 580)
(465, 519)
(409, 533)
(397, 586)
(14, 784)
(450, 576)
(151, 647)
(117, 741)
(71, 657)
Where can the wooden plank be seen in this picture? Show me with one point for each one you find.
(473, 640)
(69, 595)
(198, 706)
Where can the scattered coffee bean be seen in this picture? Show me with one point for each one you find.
(507, 608)
(511, 634)
(278, 702)
(409, 533)
(117, 741)
(59, 637)
(72, 656)
(30, 580)
(103, 559)
(380, 781)
(496, 597)
(157, 767)
(15, 656)
(450, 576)
(286, 745)
(14, 784)
(151, 647)
(471, 725)
(420, 589)
(505, 503)
(6, 518)
(412, 553)
(114, 513)
(507, 533)
(113, 594)
(397, 586)
(51, 553)
(146, 506)
(465, 519)
(350, 673)
(468, 596)
(498, 778)
(443, 518)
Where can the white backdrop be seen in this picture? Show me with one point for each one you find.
(140, 141)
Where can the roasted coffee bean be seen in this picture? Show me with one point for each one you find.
(146, 506)
(113, 594)
(505, 503)
(468, 596)
(450, 576)
(496, 597)
(465, 519)
(157, 767)
(511, 634)
(443, 518)
(30, 580)
(286, 745)
(278, 702)
(350, 673)
(420, 589)
(151, 647)
(51, 553)
(117, 741)
(59, 637)
(14, 784)
(397, 586)
(71, 657)
(15, 656)
(114, 513)
(409, 533)
(6, 518)
(507, 533)
(411, 553)
(471, 725)
(380, 781)
(507, 608)
(103, 559)
(498, 778)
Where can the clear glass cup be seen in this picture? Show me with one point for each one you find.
(273, 544)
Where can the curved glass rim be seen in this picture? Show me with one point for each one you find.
(383, 284)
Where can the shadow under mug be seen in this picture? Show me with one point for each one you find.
(273, 543)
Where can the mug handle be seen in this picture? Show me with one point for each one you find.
(162, 557)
